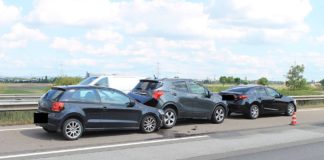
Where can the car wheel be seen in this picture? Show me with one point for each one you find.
(149, 124)
(290, 109)
(72, 129)
(218, 115)
(170, 118)
(48, 131)
(254, 111)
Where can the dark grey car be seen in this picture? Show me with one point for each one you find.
(180, 98)
(72, 110)
(256, 100)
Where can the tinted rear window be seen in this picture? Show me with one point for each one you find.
(147, 85)
(238, 89)
(53, 94)
(88, 80)
(80, 95)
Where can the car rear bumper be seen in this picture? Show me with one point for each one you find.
(237, 108)
(52, 123)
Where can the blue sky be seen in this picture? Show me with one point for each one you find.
(191, 39)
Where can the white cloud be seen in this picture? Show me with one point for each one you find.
(8, 14)
(19, 36)
(73, 45)
(81, 62)
(319, 39)
(104, 35)
(75, 13)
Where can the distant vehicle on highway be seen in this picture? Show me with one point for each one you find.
(72, 110)
(256, 100)
(180, 98)
(122, 83)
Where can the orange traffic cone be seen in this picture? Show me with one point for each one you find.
(293, 119)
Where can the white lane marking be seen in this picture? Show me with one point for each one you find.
(310, 109)
(100, 147)
(18, 129)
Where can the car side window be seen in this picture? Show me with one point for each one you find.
(180, 86)
(252, 92)
(103, 82)
(80, 95)
(113, 97)
(261, 92)
(196, 88)
(272, 92)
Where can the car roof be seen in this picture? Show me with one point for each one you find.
(167, 79)
(67, 87)
(247, 86)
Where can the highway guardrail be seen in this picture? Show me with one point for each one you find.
(30, 102)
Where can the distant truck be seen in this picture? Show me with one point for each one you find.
(122, 83)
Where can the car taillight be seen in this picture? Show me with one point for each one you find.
(57, 106)
(243, 97)
(157, 94)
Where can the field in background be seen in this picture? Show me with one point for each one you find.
(24, 88)
(281, 88)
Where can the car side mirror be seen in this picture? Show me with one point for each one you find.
(279, 96)
(208, 94)
(131, 103)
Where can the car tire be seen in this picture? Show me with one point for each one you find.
(254, 111)
(170, 118)
(218, 115)
(149, 124)
(48, 131)
(72, 129)
(290, 109)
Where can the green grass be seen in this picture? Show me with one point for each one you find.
(16, 117)
(23, 88)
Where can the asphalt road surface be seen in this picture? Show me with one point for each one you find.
(269, 137)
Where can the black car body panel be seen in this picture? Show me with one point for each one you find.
(268, 103)
(96, 114)
(177, 93)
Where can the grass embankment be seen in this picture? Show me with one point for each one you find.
(24, 88)
(16, 117)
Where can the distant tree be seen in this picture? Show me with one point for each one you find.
(295, 79)
(67, 81)
(237, 80)
(322, 82)
(263, 81)
(245, 82)
(230, 80)
(222, 80)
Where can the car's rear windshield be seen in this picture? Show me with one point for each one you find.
(53, 94)
(147, 85)
(238, 89)
(88, 80)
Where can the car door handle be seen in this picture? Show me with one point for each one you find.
(195, 97)
(105, 107)
(174, 94)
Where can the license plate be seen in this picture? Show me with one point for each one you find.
(40, 117)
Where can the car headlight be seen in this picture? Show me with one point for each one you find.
(160, 111)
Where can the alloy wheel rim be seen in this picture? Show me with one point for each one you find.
(73, 129)
(291, 109)
(149, 124)
(169, 118)
(254, 111)
(219, 114)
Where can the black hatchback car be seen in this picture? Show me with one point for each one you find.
(256, 100)
(180, 98)
(72, 110)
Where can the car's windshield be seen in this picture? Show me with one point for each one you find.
(88, 80)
